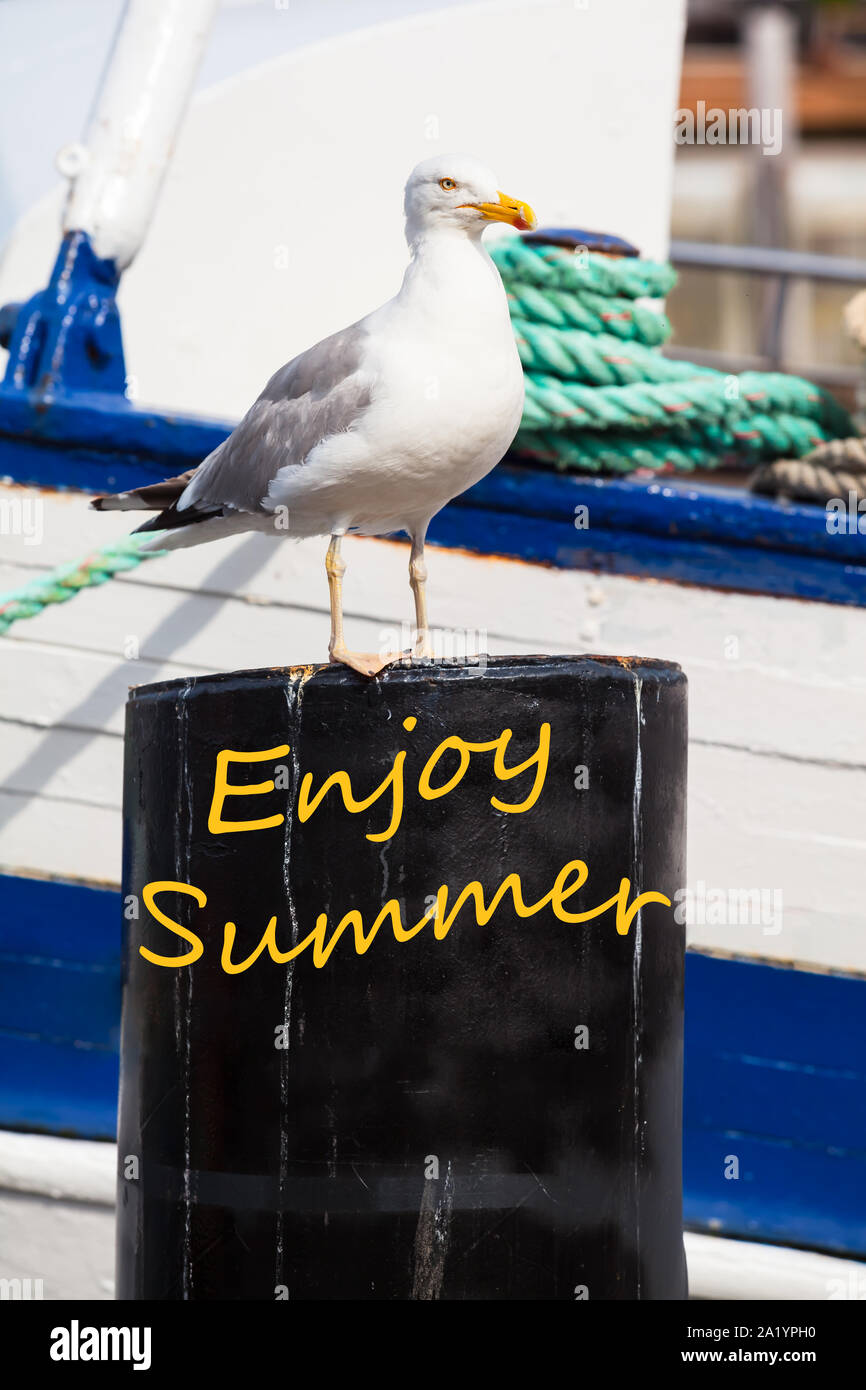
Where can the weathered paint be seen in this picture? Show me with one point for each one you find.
(64, 341)
(116, 173)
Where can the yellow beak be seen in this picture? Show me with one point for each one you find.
(508, 209)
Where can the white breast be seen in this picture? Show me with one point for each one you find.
(447, 401)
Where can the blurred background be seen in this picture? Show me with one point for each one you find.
(809, 58)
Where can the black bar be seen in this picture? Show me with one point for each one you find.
(54, 1336)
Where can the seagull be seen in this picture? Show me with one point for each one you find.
(378, 426)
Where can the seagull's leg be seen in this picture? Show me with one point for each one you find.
(366, 663)
(423, 649)
(335, 568)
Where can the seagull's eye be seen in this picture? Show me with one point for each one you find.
(447, 183)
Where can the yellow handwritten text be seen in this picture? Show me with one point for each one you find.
(393, 782)
(169, 886)
(223, 788)
(569, 881)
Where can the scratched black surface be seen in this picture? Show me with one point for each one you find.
(304, 1171)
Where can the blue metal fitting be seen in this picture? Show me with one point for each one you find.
(66, 339)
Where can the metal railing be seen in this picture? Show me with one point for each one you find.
(780, 266)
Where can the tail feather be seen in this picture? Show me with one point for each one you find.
(157, 497)
(153, 497)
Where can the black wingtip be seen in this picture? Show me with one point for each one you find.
(154, 523)
(171, 519)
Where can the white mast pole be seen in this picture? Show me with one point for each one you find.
(117, 171)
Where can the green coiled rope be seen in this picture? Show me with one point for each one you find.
(600, 397)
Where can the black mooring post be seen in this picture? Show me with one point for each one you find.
(418, 1104)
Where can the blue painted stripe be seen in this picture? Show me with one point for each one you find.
(107, 424)
(775, 1070)
(57, 1088)
(85, 470)
(785, 1194)
(59, 1002)
(73, 922)
(745, 569)
(671, 509)
(775, 1077)
(59, 1006)
(703, 535)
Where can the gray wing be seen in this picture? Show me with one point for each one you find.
(319, 393)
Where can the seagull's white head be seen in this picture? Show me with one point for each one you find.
(454, 192)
